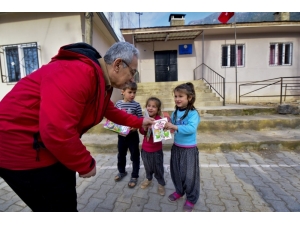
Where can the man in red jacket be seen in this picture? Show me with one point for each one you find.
(45, 114)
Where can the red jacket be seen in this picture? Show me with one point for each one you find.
(149, 145)
(61, 101)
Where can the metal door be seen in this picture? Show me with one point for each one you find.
(165, 66)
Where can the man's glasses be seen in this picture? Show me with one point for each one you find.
(132, 71)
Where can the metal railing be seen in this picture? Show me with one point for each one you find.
(284, 84)
(212, 78)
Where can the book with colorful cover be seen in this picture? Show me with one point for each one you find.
(158, 131)
(120, 129)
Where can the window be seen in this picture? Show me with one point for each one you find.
(280, 54)
(229, 56)
(19, 61)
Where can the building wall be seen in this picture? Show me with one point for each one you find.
(185, 63)
(49, 30)
(256, 67)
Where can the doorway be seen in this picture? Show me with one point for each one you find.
(165, 66)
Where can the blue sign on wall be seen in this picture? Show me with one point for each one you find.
(185, 49)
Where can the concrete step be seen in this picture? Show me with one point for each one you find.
(197, 104)
(170, 98)
(170, 88)
(232, 123)
(172, 84)
(167, 92)
(285, 139)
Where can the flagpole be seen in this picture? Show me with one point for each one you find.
(235, 58)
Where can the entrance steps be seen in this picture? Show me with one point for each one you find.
(225, 128)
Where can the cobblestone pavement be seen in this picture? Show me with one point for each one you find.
(231, 181)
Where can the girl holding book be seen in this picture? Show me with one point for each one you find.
(152, 154)
(184, 164)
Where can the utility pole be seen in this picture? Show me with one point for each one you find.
(139, 13)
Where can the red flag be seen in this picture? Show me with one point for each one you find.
(225, 16)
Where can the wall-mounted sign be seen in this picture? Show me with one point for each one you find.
(185, 49)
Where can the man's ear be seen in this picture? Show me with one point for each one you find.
(116, 64)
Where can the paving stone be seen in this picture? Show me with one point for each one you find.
(150, 210)
(121, 207)
(153, 202)
(287, 186)
(137, 204)
(226, 170)
(220, 181)
(208, 184)
(236, 188)
(245, 204)
(216, 208)
(109, 201)
(225, 193)
(264, 208)
(279, 206)
(231, 206)
(83, 185)
(14, 208)
(101, 209)
(206, 173)
(102, 192)
(258, 182)
(231, 178)
(97, 183)
(7, 204)
(267, 193)
(212, 197)
(216, 172)
(26, 209)
(91, 205)
(168, 207)
(84, 198)
(126, 196)
(291, 202)
(141, 193)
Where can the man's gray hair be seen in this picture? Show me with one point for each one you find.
(123, 50)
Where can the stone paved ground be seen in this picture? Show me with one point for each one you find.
(234, 181)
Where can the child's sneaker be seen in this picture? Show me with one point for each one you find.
(188, 206)
(161, 189)
(173, 197)
(145, 183)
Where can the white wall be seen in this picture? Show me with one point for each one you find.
(185, 63)
(49, 30)
(256, 62)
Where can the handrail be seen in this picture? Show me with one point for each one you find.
(212, 78)
(284, 82)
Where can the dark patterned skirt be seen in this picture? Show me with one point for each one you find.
(154, 164)
(185, 172)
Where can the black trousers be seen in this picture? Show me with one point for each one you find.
(154, 164)
(185, 172)
(48, 189)
(131, 142)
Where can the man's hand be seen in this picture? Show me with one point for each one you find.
(89, 174)
(147, 123)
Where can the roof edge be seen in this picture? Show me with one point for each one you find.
(107, 24)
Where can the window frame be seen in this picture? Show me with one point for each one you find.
(22, 63)
(280, 61)
(229, 57)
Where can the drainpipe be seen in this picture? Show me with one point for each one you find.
(88, 28)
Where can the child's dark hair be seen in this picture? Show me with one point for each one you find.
(130, 85)
(158, 104)
(188, 89)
